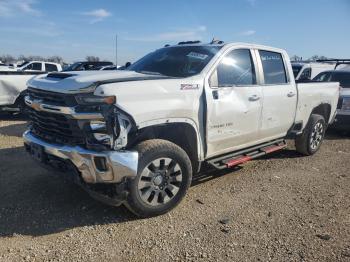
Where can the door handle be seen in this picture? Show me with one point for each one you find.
(215, 94)
(291, 94)
(254, 98)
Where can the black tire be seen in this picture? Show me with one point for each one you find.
(140, 201)
(305, 143)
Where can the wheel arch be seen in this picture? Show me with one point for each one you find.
(182, 132)
(324, 110)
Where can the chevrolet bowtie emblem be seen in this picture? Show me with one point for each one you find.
(36, 104)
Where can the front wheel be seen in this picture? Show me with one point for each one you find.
(312, 137)
(163, 177)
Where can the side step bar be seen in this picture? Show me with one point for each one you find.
(242, 156)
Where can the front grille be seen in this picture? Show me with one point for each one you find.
(52, 98)
(340, 103)
(56, 128)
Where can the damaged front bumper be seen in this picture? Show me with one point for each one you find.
(94, 167)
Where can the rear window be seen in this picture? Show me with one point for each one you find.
(273, 66)
(343, 78)
(50, 68)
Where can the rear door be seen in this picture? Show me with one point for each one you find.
(50, 67)
(280, 95)
(234, 102)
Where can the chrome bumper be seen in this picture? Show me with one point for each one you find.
(119, 164)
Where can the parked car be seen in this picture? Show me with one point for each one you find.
(304, 71)
(35, 66)
(342, 119)
(137, 136)
(84, 66)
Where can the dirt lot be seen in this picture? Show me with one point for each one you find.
(281, 208)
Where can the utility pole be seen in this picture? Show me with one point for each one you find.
(116, 50)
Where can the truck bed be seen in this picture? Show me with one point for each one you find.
(313, 94)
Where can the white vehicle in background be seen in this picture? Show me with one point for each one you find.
(308, 70)
(36, 66)
(342, 119)
(13, 83)
(136, 136)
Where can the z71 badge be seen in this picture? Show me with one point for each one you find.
(189, 86)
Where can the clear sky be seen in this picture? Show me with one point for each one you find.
(74, 29)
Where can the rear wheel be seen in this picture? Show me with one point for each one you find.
(312, 137)
(163, 177)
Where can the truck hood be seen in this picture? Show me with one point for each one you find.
(85, 81)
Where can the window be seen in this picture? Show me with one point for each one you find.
(235, 69)
(296, 69)
(50, 68)
(33, 66)
(177, 61)
(273, 66)
(306, 74)
(322, 77)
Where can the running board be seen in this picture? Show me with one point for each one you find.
(242, 156)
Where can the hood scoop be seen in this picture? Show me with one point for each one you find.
(59, 75)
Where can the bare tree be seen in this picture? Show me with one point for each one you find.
(55, 59)
(296, 58)
(92, 58)
(7, 59)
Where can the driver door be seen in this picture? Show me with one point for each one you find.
(234, 103)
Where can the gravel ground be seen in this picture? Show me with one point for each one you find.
(281, 208)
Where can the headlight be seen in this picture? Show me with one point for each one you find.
(346, 104)
(95, 100)
(99, 131)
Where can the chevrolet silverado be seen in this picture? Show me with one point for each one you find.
(136, 137)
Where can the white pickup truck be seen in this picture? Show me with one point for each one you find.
(13, 82)
(136, 137)
(35, 66)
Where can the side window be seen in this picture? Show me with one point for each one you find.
(235, 69)
(50, 68)
(28, 67)
(322, 77)
(273, 66)
(36, 66)
(306, 74)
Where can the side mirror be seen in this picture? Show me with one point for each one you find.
(127, 64)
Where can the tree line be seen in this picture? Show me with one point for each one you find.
(311, 59)
(9, 59)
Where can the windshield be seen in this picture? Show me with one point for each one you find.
(23, 64)
(296, 69)
(179, 61)
(73, 67)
